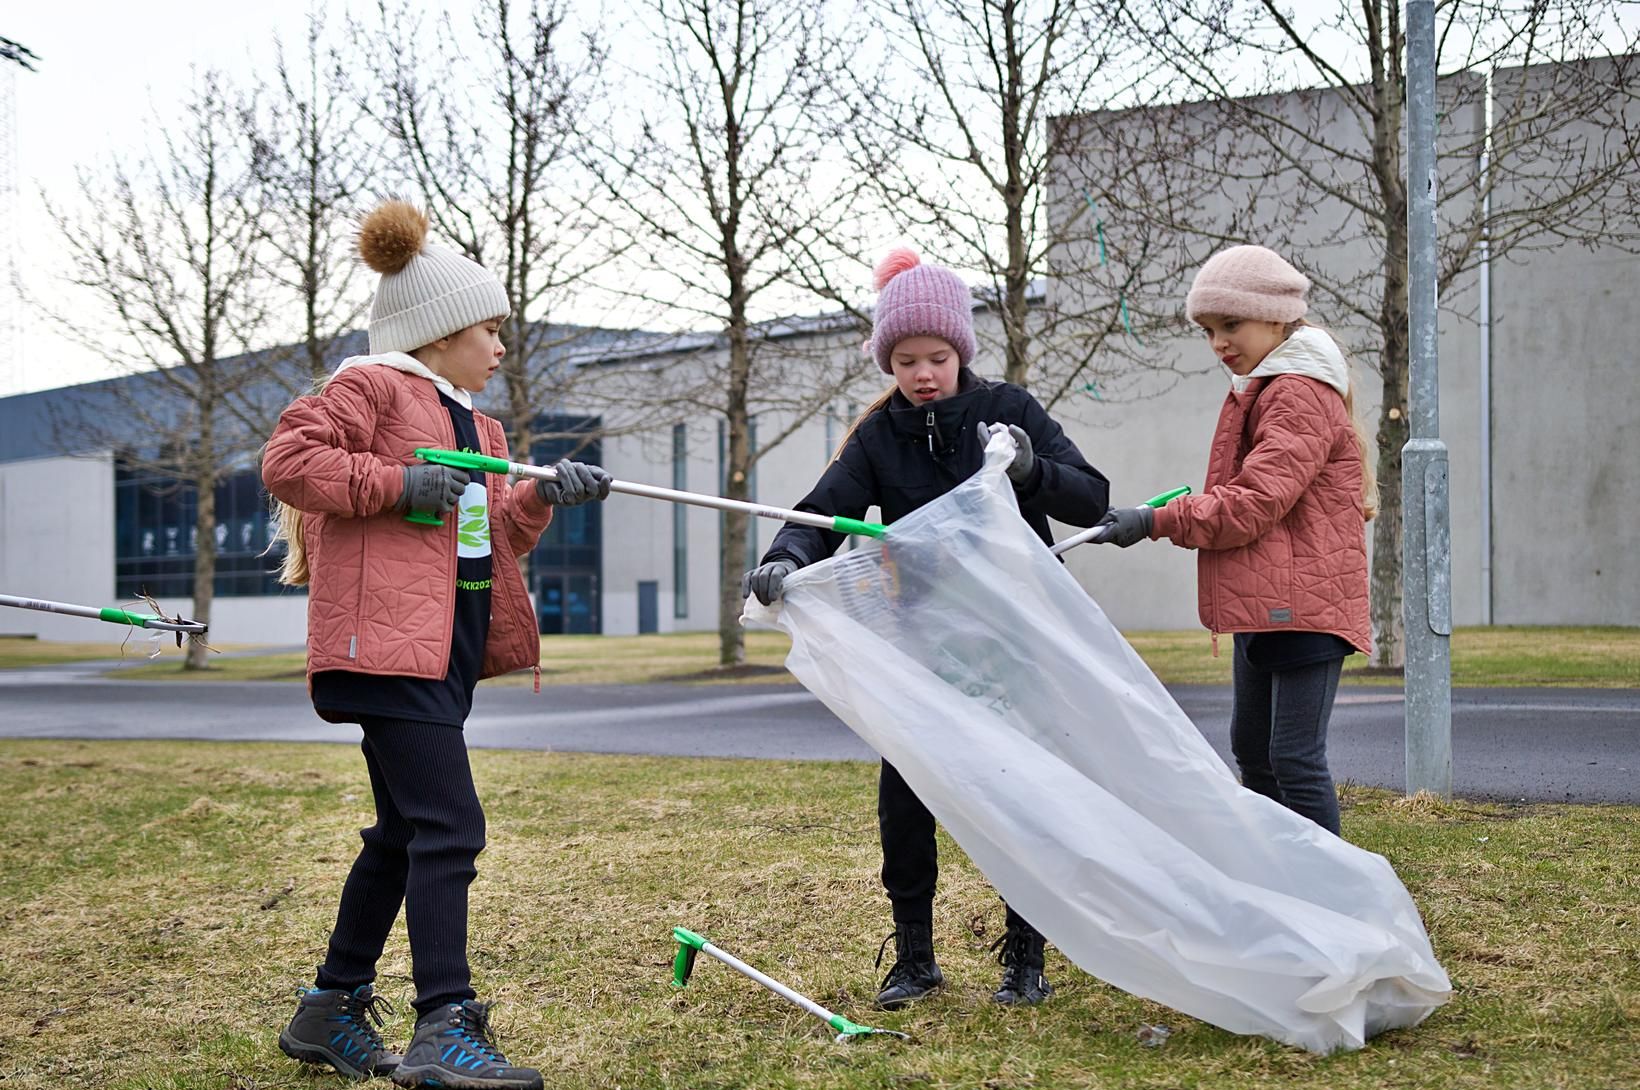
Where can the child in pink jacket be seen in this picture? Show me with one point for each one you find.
(403, 621)
(1280, 526)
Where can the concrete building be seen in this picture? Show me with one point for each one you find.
(1537, 407)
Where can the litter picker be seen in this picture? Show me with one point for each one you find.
(690, 944)
(458, 459)
(111, 614)
(1097, 533)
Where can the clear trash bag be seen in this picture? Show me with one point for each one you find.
(964, 653)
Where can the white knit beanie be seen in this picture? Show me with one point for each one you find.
(426, 292)
(1248, 282)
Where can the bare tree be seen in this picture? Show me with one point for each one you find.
(491, 138)
(164, 252)
(315, 157)
(723, 182)
(968, 159)
(1314, 112)
(17, 53)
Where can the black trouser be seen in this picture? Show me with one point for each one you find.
(1278, 732)
(421, 851)
(910, 857)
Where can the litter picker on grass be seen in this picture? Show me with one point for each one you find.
(690, 944)
(1097, 533)
(458, 459)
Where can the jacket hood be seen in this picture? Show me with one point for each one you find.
(400, 361)
(1310, 352)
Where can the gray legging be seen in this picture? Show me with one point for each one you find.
(1278, 732)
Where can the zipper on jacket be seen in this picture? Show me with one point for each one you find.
(1215, 645)
(932, 431)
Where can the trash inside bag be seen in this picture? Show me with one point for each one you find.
(966, 655)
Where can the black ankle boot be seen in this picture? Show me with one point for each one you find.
(1020, 952)
(914, 973)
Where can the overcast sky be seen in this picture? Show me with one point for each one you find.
(105, 68)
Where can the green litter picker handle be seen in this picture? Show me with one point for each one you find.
(683, 964)
(690, 944)
(456, 459)
(1095, 533)
(461, 459)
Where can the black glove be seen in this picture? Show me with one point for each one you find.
(767, 581)
(1019, 470)
(1126, 525)
(577, 483)
(430, 488)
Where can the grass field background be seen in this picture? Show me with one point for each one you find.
(1593, 657)
(161, 902)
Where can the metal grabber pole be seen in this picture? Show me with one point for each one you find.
(458, 459)
(690, 944)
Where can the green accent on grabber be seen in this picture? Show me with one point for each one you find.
(683, 964)
(1164, 498)
(424, 518)
(855, 526)
(845, 1028)
(463, 459)
(125, 616)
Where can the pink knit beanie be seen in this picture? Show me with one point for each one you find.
(917, 300)
(1248, 282)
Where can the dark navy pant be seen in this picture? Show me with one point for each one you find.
(421, 853)
(1278, 732)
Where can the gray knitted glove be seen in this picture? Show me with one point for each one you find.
(1019, 470)
(1127, 525)
(767, 581)
(577, 483)
(430, 488)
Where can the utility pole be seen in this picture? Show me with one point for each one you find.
(1426, 544)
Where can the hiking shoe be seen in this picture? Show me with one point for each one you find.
(914, 973)
(1020, 952)
(333, 1027)
(453, 1049)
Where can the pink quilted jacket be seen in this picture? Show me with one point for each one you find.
(1280, 525)
(381, 595)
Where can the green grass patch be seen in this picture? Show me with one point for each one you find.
(160, 902)
(18, 652)
(1501, 656)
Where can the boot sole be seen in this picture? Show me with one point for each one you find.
(321, 1056)
(901, 1004)
(441, 1077)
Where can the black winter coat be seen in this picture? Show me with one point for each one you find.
(907, 455)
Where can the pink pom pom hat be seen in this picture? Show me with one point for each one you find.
(917, 300)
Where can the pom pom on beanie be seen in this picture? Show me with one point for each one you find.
(917, 300)
(426, 291)
(392, 235)
(1248, 282)
(895, 262)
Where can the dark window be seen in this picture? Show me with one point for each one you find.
(680, 522)
(155, 536)
(566, 564)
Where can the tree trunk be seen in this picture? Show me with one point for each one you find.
(736, 478)
(1389, 98)
(204, 558)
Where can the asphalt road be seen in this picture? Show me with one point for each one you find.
(1555, 745)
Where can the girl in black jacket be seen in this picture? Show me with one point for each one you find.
(919, 440)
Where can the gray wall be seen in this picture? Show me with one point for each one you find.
(57, 542)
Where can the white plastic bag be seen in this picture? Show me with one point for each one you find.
(964, 653)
